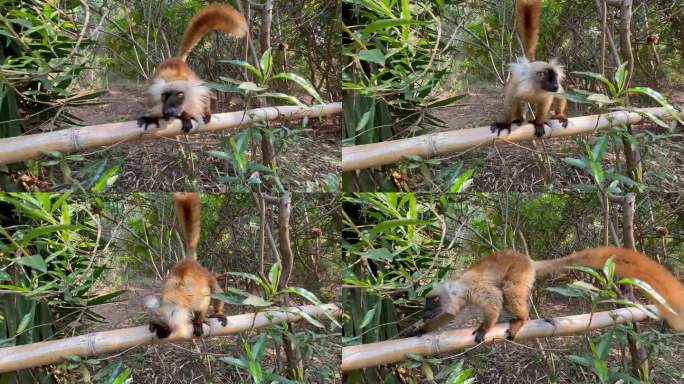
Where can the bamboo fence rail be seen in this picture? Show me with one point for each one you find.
(48, 352)
(441, 143)
(76, 139)
(391, 351)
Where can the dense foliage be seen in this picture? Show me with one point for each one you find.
(397, 245)
(63, 256)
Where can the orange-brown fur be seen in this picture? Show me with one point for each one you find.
(220, 17)
(188, 212)
(504, 279)
(629, 263)
(501, 279)
(174, 89)
(188, 287)
(527, 14)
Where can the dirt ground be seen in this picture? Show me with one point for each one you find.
(182, 362)
(537, 166)
(305, 156)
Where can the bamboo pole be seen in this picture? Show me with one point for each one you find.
(76, 139)
(391, 351)
(441, 143)
(48, 352)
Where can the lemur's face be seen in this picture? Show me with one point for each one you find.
(173, 102)
(548, 80)
(167, 317)
(443, 298)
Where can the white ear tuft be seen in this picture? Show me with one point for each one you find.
(558, 67)
(152, 301)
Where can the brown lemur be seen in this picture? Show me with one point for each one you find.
(531, 81)
(187, 289)
(504, 280)
(175, 91)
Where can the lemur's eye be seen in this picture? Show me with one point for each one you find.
(180, 95)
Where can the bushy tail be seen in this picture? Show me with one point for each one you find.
(528, 13)
(188, 212)
(221, 17)
(629, 263)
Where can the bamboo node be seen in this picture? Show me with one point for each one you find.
(74, 134)
(90, 342)
(434, 341)
(432, 145)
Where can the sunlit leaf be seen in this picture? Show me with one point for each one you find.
(34, 261)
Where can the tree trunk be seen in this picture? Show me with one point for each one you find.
(636, 349)
(295, 365)
(267, 153)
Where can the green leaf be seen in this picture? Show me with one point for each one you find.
(660, 99)
(253, 278)
(234, 362)
(565, 291)
(30, 206)
(584, 361)
(219, 154)
(106, 298)
(282, 96)
(599, 77)
(247, 66)
(34, 261)
(230, 299)
(310, 319)
(368, 317)
(574, 97)
(599, 148)
(620, 76)
(446, 102)
(4, 276)
(25, 321)
(310, 297)
(589, 271)
(302, 82)
(256, 301)
(389, 224)
(462, 182)
(250, 86)
(274, 275)
(600, 98)
(596, 170)
(122, 377)
(44, 230)
(266, 62)
(579, 163)
(221, 87)
(583, 286)
(609, 268)
(255, 371)
(604, 344)
(388, 23)
(373, 56)
(650, 292)
(258, 347)
(379, 254)
(107, 180)
(356, 282)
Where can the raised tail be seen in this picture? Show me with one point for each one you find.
(221, 17)
(528, 13)
(188, 212)
(629, 263)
